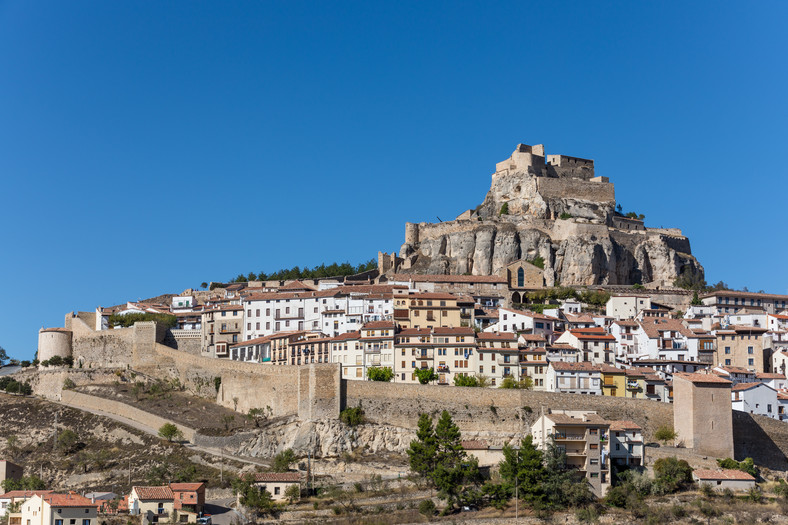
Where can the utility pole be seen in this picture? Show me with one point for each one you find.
(517, 485)
(221, 465)
(129, 474)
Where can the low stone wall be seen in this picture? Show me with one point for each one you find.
(88, 402)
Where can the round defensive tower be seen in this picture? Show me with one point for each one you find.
(53, 342)
(411, 233)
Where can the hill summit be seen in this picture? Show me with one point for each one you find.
(555, 211)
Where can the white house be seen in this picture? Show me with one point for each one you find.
(736, 480)
(625, 332)
(574, 378)
(776, 381)
(13, 496)
(594, 344)
(667, 339)
(627, 306)
(755, 398)
(510, 320)
(626, 444)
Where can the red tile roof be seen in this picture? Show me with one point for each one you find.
(273, 477)
(769, 375)
(738, 475)
(13, 494)
(378, 325)
(698, 377)
(186, 487)
(496, 336)
(475, 444)
(583, 366)
(154, 493)
(624, 425)
(67, 500)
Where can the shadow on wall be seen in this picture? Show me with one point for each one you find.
(750, 439)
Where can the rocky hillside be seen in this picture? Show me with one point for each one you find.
(553, 207)
(102, 455)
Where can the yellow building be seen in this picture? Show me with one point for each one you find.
(636, 384)
(614, 381)
(427, 310)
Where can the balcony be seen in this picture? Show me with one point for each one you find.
(288, 317)
(400, 314)
(230, 331)
(633, 385)
(507, 360)
(443, 369)
(373, 349)
(559, 436)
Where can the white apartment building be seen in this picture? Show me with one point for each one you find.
(627, 306)
(755, 398)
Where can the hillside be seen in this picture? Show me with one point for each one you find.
(106, 453)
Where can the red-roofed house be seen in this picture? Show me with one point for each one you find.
(735, 480)
(9, 498)
(594, 344)
(58, 509)
(277, 483)
(153, 504)
(188, 497)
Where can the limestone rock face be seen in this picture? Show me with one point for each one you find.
(553, 207)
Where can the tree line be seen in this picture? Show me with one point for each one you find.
(318, 272)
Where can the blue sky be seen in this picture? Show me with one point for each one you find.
(146, 147)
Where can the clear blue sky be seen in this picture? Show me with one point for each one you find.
(146, 147)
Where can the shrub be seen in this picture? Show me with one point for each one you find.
(283, 460)
(169, 432)
(665, 433)
(352, 416)
(672, 474)
(427, 508)
(565, 216)
(68, 383)
(537, 261)
(504, 209)
(384, 374)
(129, 319)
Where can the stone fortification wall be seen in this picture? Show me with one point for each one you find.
(48, 382)
(567, 229)
(310, 391)
(189, 341)
(562, 188)
(472, 408)
(107, 348)
(93, 403)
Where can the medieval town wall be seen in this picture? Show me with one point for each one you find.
(578, 189)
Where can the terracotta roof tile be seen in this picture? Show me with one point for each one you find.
(272, 477)
(67, 500)
(738, 475)
(154, 493)
(624, 425)
(186, 487)
(698, 377)
(13, 494)
(475, 444)
(583, 366)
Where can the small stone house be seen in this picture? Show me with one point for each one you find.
(735, 480)
(153, 504)
(277, 483)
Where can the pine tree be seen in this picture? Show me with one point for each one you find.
(423, 448)
(524, 467)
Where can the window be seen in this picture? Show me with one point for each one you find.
(86, 521)
(277, 491)
(750, 350)
(751, 362)
(57, 522)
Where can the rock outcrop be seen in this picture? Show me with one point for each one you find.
(553, 207)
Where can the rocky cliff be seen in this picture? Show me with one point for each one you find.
(556, 208)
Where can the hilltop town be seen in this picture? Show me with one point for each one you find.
(544, 321)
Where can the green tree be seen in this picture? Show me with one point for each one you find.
(259, 502)
(695, 299)
(671, 475)
(384, 374)
(504, 209)
(283, 460)
(462, 380)
(204, 285)
(425, 375)
(158, 474)
(25, 483)
(423, 449)
(665, 433)
(524, 467)
(293, 493)
(747, 465)
(3, 356)
(169, 432)
(259, 415)
(427, 508)
(525, 383)
(67, 441)
(455, 474)
(563, 486)
(352, 416)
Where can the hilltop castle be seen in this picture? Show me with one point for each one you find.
(551, 208)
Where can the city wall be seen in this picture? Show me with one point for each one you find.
(501, 410)
(577, 189)
(100, 404)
